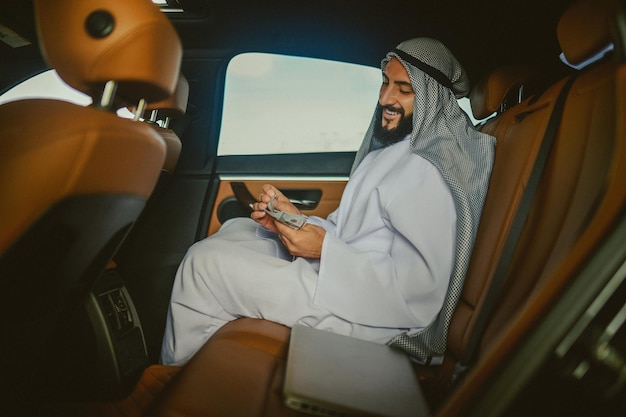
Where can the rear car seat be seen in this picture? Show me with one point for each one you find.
(575, 203)
(503, 88)
(567, 197)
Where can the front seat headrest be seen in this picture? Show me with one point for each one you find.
(487, 96)
(586, 28)
(92, 42)
(176, 104)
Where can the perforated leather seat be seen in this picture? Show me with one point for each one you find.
(73, 179)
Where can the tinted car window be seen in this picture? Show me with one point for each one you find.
(284, 104)
(276, 104)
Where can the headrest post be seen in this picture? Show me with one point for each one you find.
(108, 94)
(141, 107)
(153, 116)
(166, 122)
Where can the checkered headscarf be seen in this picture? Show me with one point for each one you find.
(444, 135)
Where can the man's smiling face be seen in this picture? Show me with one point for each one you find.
(395, 100)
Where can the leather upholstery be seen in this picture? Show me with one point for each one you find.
(142, 52)
(151, 385)
(85, 151)
(586, 28)
(238, 372)
(578, 236)
(173, 147)
(566, 198)
(487, 96)
(565, 208)
(176, 104)
(172, 107)
(73, 179)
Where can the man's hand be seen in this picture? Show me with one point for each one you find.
(281, 203)
(305, 242)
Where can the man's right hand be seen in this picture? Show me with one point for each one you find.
(281, 203)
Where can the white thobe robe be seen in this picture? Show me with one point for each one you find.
(386, 262)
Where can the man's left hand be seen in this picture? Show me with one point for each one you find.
(306, 242)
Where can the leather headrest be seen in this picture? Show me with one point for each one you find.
(91, 42)
(586, 28)
(489, 93)
(176, 104)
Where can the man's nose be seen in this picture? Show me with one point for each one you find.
(387, 97)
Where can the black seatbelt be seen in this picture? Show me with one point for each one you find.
(514, 233)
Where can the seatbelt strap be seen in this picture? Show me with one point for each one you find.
(514, 233)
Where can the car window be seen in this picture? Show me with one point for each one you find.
(277, 104)
(273, 104)
(284, 104)
(49, 85)
(45, 85)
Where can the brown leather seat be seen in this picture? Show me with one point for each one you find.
(73, 179)
(575, 207)
(500, 90)
(161, 113)
(134, 259)
(567, 199)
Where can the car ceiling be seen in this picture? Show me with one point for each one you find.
(482, 34)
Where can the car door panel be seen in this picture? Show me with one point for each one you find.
(325, 192)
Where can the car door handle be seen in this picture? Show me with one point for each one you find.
(246, 199)
(303, 204)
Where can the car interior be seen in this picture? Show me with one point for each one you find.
(99, 209)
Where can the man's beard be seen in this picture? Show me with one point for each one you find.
(388, 137)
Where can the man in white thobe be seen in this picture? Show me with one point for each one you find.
(381, 264)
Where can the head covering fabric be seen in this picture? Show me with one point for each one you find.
(443, 135)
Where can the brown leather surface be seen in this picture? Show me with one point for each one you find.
(176, 104)
(585, 28)
(173, 147)
(331, 195)
(574, 208)
(173, 106)
(487, 95)
(568, 201)
(238, 372)
(608, 207)
(518, 144)
(140, 31)
(148, 388)
(71, 150)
